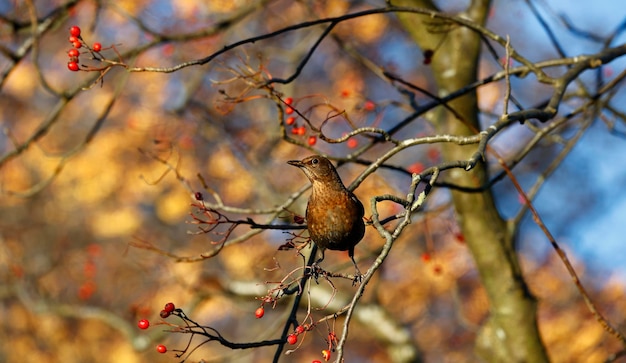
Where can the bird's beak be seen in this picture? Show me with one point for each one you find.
(297, 163)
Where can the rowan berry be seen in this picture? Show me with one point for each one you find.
(292, 339)
(352, 143)
(72, 53)
(433, 154)
(161, 348)
(259, 312)
(312, 140)
(72, 66)
(75, 31)
(97, 47)
(290, 120)
(299, 329)
(86, 290)
(72, 39)
(459, 237)
(164, 314)
(289, 100)
(169, 307)
(326, 355)
(143, 324)
(437, 269)
(416, 168)
(77, 44)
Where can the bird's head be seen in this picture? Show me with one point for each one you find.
(317, 169)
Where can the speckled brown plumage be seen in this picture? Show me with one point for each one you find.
(334, 214)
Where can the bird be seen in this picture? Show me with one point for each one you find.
(334, 214)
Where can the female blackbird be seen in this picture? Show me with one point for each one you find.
(334, 214)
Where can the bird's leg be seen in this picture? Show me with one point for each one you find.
(321, 258)
(357, 272)
(316, 270)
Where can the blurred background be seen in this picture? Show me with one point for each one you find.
(93, 218)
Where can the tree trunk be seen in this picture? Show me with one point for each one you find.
(510, 334)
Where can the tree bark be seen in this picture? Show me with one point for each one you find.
(510, 334)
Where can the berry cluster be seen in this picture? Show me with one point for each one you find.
(293, 337)
(291, 121)
(300, 130)
(89, 286)
(77, 43)
(167, 311)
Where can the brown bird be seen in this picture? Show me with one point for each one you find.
(334, 214)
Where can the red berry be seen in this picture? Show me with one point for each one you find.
(316, 361)
(77, 44)
(299, 329)
(312, 140)
(433, 154)
(289, 100)
(459, 237)
(89, 269)
(292, 339)
(352, 143)
(326, 355)
(437, 269)
(94, 250)
(161, 348)
(259, 312)
(72, 53)
(301, 131)
(72, 39)
(369, 106)
(143, 324)
(75, 31)
(169, 307)
(416, 168)
(86, 290)
(164, 314)
(290, 120)
(289, 111)
(97, 47)
(72, 66)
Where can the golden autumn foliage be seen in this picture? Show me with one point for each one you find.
(96, 211)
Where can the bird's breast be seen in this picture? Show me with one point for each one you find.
(335, 220)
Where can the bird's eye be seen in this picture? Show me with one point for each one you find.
(315, 161)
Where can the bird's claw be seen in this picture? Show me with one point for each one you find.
(358, 278)
(316, 271)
